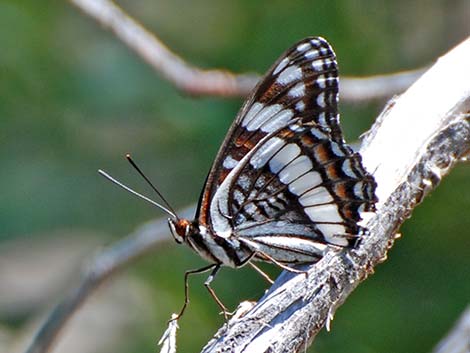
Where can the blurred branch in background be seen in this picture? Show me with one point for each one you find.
(145, 239)
(199, 82)
(458, 339)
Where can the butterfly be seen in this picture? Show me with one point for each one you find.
(284, 186)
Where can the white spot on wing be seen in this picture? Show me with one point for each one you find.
(238, 196)
(316, 42)
(318, 133)
(244, 182)
(358, 189)
(279, 121)
(321, 100)
(324, 213)
(296, 127)
(311, 54)
(282, 64)
(255, 108)
(259, 183)
(317, 65)
(315, 196)
(300, 166)
(335, 148)
(322, 119)
(347, 168)
(321, 81)
(303, 47)
(291, 74)
(283, 157)
(229, 162)
(300, 106)
(305, 182)
(263, 116)
(266, 151)
(297, 91)
(250, 209)
(323, 50)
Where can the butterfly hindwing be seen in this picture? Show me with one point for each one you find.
(300, 183)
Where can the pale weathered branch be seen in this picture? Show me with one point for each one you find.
(196, 81)
(458, 339)
(415, 142)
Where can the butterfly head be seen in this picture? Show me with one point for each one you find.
(181, 229)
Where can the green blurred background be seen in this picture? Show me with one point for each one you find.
(73, 99)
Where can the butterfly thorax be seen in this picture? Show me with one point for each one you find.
(228, 251)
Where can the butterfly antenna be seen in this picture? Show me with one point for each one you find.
(131, 161)
(125, 187)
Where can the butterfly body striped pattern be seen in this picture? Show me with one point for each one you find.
(284, 185)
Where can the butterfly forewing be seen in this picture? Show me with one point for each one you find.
(284, 183)
(281, 94)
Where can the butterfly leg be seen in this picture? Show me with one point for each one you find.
(186, 285)
(207, 284)
(261, 272)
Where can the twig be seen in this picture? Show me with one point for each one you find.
(185, 77)
(458, 339)
(416, 141)
(196, 81)
(108, 262)
(357, 89)
(168, 340)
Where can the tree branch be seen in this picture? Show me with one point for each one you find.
(416, 141)
(199, 82)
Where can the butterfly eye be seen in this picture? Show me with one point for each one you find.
(174, 231)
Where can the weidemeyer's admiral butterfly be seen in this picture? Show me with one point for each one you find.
(284, 186)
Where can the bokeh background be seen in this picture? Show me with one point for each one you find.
(73, 99)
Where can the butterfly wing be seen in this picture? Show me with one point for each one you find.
(284, 171)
